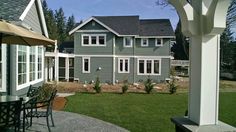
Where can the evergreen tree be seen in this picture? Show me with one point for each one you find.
(181, 47)
(61, 25)
(69, 26)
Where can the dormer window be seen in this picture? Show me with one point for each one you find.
(144, 42)
(159, 42)
(128, 42)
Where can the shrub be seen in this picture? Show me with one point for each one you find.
(148, 85)
(125, 86)
(172, 83)
(97, 86)
(46, 90)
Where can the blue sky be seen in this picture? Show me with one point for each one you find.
(83, 9)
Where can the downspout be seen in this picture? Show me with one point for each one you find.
(134, 44)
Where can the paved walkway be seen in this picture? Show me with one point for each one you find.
(71, 122)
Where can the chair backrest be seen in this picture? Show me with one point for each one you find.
(10, 113)
(33, 91)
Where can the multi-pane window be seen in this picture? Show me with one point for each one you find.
(94, 40)
(149, 67)
(32, 63)
(86, 65)
(40, 60)
(159, 42)
(144, 42)
(22, 63)
(123, 65)
(128, 42)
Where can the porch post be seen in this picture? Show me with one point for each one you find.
(203, 21)
(67, 68)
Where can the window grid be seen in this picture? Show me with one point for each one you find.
(123, 65)
(149, 66)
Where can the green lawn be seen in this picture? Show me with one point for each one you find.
(142, 112)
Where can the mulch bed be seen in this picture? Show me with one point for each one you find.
(59, 103)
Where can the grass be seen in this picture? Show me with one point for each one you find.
(142, 112)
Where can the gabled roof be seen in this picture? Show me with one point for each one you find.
(123, 25)
(155, 27)
(132, 26)
(11, 10)
(16, 10)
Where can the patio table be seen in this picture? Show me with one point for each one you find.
(9, 98)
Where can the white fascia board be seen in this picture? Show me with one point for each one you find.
(155, 37)
(87, 21)
(26, 10)
(41, 15)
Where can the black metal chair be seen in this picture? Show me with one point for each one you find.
(33, 91)
(46, 111)
(10, 115)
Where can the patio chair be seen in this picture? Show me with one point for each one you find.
(46, 111)
(10, 115)
(33, 91)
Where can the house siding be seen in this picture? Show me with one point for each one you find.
(32, 20)
(105, 74)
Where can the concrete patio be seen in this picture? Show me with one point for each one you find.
(71, 122)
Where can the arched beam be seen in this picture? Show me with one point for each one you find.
(215, 18)
(186, 14)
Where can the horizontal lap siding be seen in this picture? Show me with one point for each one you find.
(151, 49)
(120, 49)
(105, 74)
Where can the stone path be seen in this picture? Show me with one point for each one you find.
(71, 122)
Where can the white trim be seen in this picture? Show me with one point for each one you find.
(41, 14)
(131, 41)
(147, 41)
(83, 71)
(155, 37)
(28, 83)
(145, 67)
(92, 31)
(114, 60)
(23, 15)
(126, 56)
(90, 39)
(87, 21)
(4, 68)
(157, 45)
(123, 60)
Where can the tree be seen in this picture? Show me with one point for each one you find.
(69, 26)
(61, 25)
(181, 47)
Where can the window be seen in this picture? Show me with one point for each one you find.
(159, 42)
(40, 52)
(85, 40)
(148, 67)
(94, 40)
(86, 65)
(144, 42)
(128, 42)
(22, 63)
(123, 65)
(32, 64)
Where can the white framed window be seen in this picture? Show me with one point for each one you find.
(22, 64)
(144, 42)
(29, 66)
(3, 50)
(127, 42)
(40, 62)
(123, 65)
(32, 65)
(86, 64)
(159, 42)
(149, 67)
(93, 39)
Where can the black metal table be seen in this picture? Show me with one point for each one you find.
(9, 98)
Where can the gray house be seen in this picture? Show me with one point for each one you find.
(118, 48)
(22, 66)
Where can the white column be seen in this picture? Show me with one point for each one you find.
(204, 79)
(67, 69)
(56, 66)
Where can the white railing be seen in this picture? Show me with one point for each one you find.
(179, 62)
